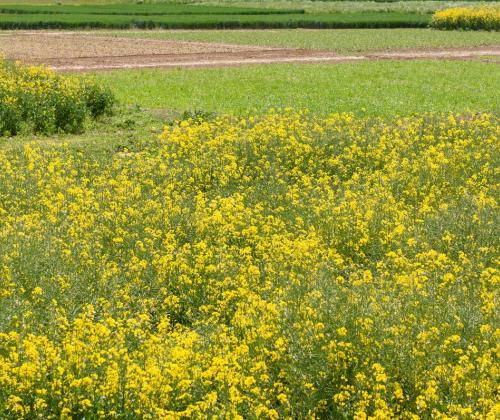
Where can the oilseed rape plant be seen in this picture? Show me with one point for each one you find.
(485, 18)
(45, 102)
(280, 266)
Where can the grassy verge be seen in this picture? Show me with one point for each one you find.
(375, 88)
(341, 20)
(340, 40)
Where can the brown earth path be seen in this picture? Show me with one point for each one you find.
(76, 51)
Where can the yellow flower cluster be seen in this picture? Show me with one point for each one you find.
(45, 101)
(477, 18)
(282, 266)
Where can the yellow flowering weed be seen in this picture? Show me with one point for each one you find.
(45, 101)
(281, 266)
(484, 17)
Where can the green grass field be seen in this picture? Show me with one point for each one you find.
(339, 40)
(374, 88)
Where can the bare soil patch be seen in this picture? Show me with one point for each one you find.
(77, 51)
(42, 46)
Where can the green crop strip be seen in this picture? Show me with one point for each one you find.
(341, 20)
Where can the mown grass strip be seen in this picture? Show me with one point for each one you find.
(341, 20)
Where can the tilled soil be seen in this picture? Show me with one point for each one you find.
(70, 51)
(41, 46)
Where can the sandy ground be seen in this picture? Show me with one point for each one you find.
(74, 51)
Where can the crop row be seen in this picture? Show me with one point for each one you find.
(341, 20)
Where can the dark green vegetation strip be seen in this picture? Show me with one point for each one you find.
(143, 9)
(340, 20)
(369, 88)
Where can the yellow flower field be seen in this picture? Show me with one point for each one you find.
(485, 17)
(283, 266)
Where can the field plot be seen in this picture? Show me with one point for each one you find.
(33, 46)
(68, 51)
(83, 51)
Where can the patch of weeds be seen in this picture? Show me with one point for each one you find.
(198, 115)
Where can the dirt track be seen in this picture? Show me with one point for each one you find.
(67, 51)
